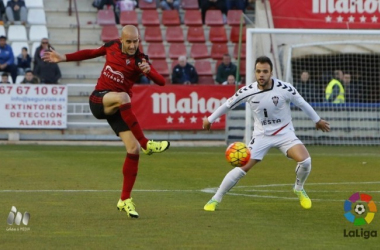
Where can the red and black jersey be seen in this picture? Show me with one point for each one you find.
(120, 71)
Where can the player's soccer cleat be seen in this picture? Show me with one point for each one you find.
(304, 199)
(211, 205)
(127, 206)
(155, 147)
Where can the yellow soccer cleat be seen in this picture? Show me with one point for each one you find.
(155, 147)
(127, 206)
(211, 205)
(304, 199)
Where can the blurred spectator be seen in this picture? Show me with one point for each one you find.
(30, 78)
(170, 4)
(236, 4)
(4, 78)
(16, 11)
(2, 12)
(334, 92)
(40, 51)
(307, 88)
(218, 4)
(124, 5)
(225, 69)
(230, 80)
(184, 73)
(48, 72)
(23, 61)
(144, 80)
(353, 91)
(7, 58)
(99, 4)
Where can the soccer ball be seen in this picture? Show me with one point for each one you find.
(359, 209)
(238, 154)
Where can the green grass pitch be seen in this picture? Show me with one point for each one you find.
(71, 194)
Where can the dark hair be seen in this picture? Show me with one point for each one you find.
(264, 59)
(5, 74)
(25, 48)
(28, 71)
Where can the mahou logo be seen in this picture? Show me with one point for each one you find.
(346, 6)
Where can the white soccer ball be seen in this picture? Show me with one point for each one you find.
(359, 209)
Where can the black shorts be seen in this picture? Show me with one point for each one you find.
(97, 109)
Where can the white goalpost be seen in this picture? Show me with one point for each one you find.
(323, 54)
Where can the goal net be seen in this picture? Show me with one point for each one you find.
(310, 59)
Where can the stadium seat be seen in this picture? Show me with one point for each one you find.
(156, 51)
(150, 18)
(170, 18)
(218, 34)
(35, 45)
(17, 46)
(19, 79)
(206, 80)
(203, 67)
(242, 51)
(190, 5)
(37, 32)
(193, 18)
(144, 5)
(196, 35)
(176, 50)
(234, 34)
(242, 68)
(17, 33)
(36, 16)
(218, 50)
(153, 34)
(174, 34)
(161, 66)
(214, 18)
(2, 30)
(233, 17)
(141, 48)
(30, 4)
(106, 17)
(199, 51)
(109, 32)
(128, 17)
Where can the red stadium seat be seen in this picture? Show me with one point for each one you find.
(156, 51)
(161, 66)
(193, 18)
(106, 17)
(153, 34)
(170, 18)
(174, 34)
(203, 67)
(199, 51)
(190, 5)
(144, 5)
(233, 17)
(176, 50)
(242, 68)
(218, 50)
(214, 18)
(196, 35)
(109, 32)
(141, 48)
(206, 80)
(234, 35)
(150, 18)
(218, 34)
(128, 17)
(242, 51)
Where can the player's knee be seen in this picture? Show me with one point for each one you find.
(124, 98)
(134, 149)
(306, 164)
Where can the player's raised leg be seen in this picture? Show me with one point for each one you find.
(113, 101)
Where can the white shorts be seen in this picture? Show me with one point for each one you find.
(259, 145)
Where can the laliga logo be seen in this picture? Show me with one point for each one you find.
(16, 217)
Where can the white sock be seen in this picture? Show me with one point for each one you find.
(228, 182)
(302, 172)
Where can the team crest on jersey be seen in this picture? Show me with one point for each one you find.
(127, 61)
(275, 100)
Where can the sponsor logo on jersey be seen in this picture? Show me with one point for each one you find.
(116, 76)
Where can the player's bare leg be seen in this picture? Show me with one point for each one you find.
(114, 101)
(300, 154)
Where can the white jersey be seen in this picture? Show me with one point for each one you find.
(270, 108)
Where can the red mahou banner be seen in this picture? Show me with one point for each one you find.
(326, 14)
(178, 107)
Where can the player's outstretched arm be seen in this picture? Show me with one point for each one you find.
(323, 125)
(53, 56)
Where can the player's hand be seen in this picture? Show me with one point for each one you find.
(144, 66)
(323, 125)
(53, 56)
(206, 124)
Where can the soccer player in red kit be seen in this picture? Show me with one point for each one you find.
(111, 100)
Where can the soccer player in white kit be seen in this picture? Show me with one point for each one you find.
(269, 100)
